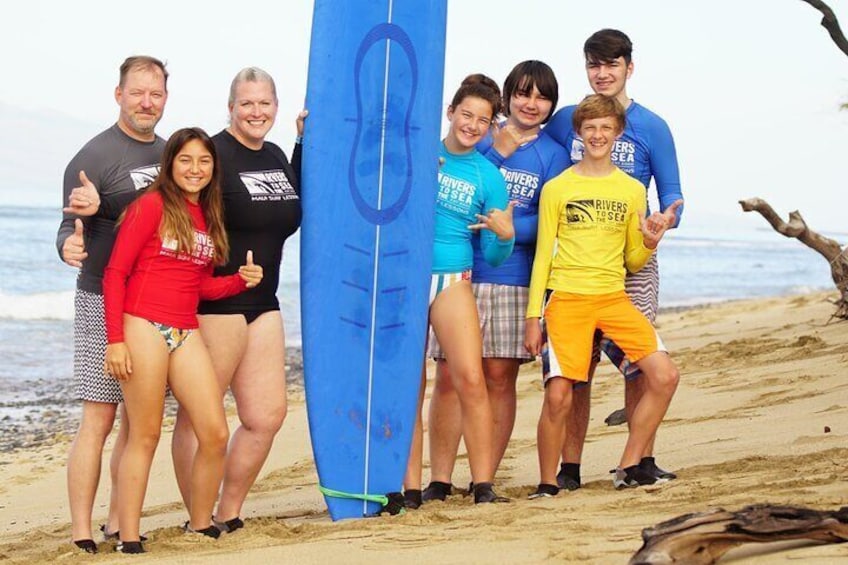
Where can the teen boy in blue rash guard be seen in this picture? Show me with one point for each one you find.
(645, 150)
(472, 196)
(526, 161)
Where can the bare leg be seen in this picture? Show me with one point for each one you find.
(551, 429)
(84, 460)
(259, 387)
(193, 382)
(577, 425)
(412, 478)
(578, 420)
(445, 425)
(661, 378)
(114, 462)
(144, 398)
(454, 319)
(633, 391)
(225, 337)
(183, 448)
(501, 375)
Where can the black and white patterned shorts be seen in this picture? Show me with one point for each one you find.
(93, 384)
(501, 309)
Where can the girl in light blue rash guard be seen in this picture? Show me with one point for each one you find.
(468, 185)
(472, 197)
(526, 161)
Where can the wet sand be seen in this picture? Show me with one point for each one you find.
(761, 416)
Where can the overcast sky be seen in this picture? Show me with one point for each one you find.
(751, 89)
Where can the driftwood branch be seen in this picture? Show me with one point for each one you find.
(702, 538)
(830, 23)
(828, 248)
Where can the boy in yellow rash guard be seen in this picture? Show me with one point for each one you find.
(590, 221)
(591, 227)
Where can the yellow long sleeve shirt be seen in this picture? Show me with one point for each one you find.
(588, 235)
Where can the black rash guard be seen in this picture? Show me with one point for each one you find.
(261, 210)
(119, 166)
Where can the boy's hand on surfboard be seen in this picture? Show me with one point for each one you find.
(73, 250)
(300, 121)
(498, 221)
(250, 272)
(533, 336)
(84, 200)
(118, 362)
(508, 138)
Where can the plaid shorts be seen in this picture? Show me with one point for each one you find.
(501, 309)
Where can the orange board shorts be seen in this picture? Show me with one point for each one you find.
(571, 321)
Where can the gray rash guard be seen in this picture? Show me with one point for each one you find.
(119, 166)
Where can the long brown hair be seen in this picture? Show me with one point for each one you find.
(176, 221)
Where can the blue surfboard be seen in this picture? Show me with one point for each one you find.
(370, 166)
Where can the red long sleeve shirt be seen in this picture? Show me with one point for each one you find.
(146, 277)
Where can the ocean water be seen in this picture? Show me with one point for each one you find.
(36, 292)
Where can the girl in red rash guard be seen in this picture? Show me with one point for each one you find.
(168, 243)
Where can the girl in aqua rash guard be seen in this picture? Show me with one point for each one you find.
(472, 197)
(161, 266)
(527, 161)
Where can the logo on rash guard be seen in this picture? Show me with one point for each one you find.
(579, 212)
(521, 186)
(268, 186)
(202, 254)
(603, 213)
(455, 194)
(143, 177)
(623, 154)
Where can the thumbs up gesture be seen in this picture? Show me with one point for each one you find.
(84, 200)
(73, 250)
(250, 272)
(498, 221)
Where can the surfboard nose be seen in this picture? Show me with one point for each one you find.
(384, 104)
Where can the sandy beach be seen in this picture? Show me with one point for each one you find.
(761, 416)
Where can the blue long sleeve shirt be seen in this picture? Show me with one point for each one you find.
(525, 173)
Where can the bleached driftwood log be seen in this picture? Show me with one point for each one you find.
(828, 248)
(702, 538)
